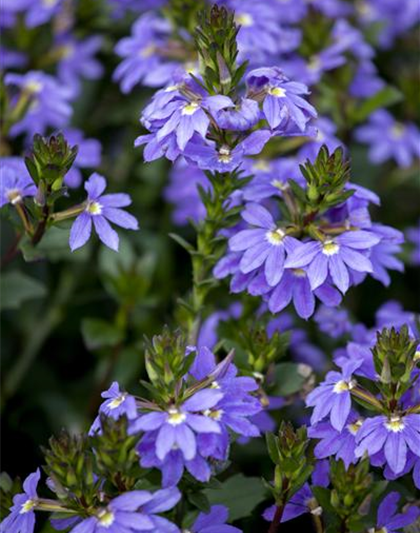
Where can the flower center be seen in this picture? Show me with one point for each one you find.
(190, 109)
(34, 86)
(224, 155)
(299, 272)
(116, 402)
(176, 417)
(314, 63)
(94, 208)
(49, 3)
(395, 424)
(275, 237)
(14, 196)
(27, 506)
(278, 92)
(354, 428)
(147, 51)
(397, 131)
(330, 248)
(215, 414)
(244, 19)
(215, 385)
(261, 164)
(417, 356)
(281, 185)
(343, 386)
(106, 518)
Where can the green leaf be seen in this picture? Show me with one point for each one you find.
(98, 333)
(199, 500)
(240, 494)
(383, 98)
(289, 378)
(272, 447)
(16, 288)
(182, 242)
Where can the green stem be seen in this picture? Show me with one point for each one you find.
(275, 524)
(319, 528)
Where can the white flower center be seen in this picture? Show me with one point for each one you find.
(395, 424)
(343, 386)
(176, 417)
(417, 356)
(14, 196)
(215, 385)
(171, 88)
(27, 506)
(94, 208)
(275, 237)
(190, 109)
(244, 19)
(330, 248)
(216, 414)
(106, 518)
(278, 92)
(116, 402)
(224, 155)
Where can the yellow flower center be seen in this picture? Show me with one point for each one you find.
(261, 164)
(397, 131)
(354, 428)
(244, 19)
(94, 208)
(281, 185)
(279, 92)
(314, 63)
(395, 424)
(27, 506)
(299, 272)
(275, 237)
(106, 518)
(176, 417)
(34, 86)
(417, 355)
(190, 109)
(116, 402)
(330, 248)
(215, 415)
(343, 386)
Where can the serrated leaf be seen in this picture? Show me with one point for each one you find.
(16, 288)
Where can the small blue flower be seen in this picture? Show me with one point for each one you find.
(100, 209)
(22, 516)
(15, 181)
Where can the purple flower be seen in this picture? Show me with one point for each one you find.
(282, 101)
(382, 256)
(143, 62)
(332, 397)
(303, 501)
(22, 516)
(117, 404)
(224, 159)
(240, 117)
(100, 209)
(388, 520)
(132, 512)
(264, 246)
(179, 425)
(389, 139)
(49, 102)
(182, 192)
(395, 435)
(88, 155)
(413, 237)
(213, 521)
(77, 61)
(15, 181)
(39, 11)
(340, 444)
(334, 322)
(334, 256)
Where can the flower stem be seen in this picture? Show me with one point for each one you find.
(275, 524)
